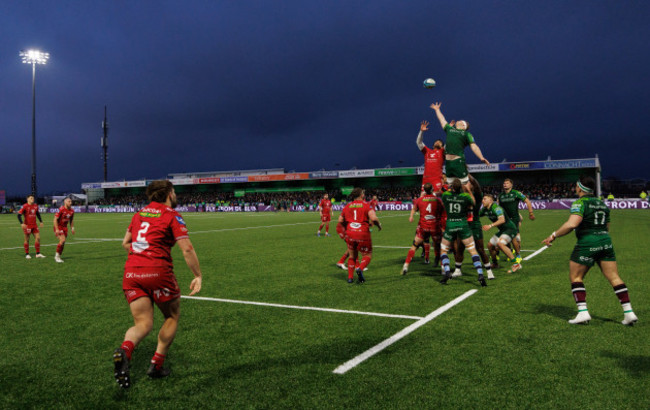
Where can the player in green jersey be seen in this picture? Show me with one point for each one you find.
(509, 200)
(506, 229)
(590, 220)
(458, 204)
(458, 137)
(477, 233)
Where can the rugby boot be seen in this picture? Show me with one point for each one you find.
(121, 363)
(157, 373)
(583, 317)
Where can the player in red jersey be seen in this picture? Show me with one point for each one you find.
(430, 208)
(373, 203)
(434, 159)
(30, 212)
(149, 277)
(325, 208)
(358, 216)
(64, 215)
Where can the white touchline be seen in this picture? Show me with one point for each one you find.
(399, 335)
(355, 312)
(66, 244)
(537, 252)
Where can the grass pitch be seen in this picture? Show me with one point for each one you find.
(507, 346)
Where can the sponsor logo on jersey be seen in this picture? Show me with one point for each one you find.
(355, 225)
(429, 217)
(180, 220)
(150, 214)
(356, 205)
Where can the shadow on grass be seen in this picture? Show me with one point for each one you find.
(636, 365)
(564, 312)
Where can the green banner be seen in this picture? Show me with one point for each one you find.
(389, 172)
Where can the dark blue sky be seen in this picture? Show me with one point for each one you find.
(303, 85)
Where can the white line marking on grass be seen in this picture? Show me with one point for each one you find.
(66, 244)
(355, 312)
(537, 252)
(392, 247)
(399, 335)
(255, 227)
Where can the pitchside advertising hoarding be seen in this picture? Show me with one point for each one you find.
(382, 206)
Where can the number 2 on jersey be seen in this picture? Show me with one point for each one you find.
(141, 243)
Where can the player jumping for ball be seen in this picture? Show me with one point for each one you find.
(458, 137)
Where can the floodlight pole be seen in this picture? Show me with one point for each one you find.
(34, 57)
(34, 190)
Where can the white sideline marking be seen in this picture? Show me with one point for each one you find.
(537, 252)
(245, 302)
(66, 244)
(399, 335)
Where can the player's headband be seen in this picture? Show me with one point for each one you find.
(585, 189)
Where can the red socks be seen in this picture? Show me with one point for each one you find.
(409, 256)
(26, 246)
(351, 264)
(59, 248)
(364, 262)
(343, 258)
(427, 251)
(37, 245)
(128, 347)
(158, 360)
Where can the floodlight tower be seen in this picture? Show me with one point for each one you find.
(34, 57)
(105, 145)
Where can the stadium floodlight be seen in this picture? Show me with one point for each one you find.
(34, 57)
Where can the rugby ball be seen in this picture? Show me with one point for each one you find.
(429, 83)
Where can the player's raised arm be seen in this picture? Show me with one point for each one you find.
(193, 263)
(477, 152)
(441, 118)
(419, 141)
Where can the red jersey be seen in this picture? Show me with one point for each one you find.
(373, 204)
(434, 159)
(431, 211)
(355, 215)
(155, 230)
(29, 212)
(64, 215)
(325, 206)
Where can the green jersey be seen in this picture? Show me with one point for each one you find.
(494, 212)
(457, 140)
(510, 203)
(457, 205)
(595, 216)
